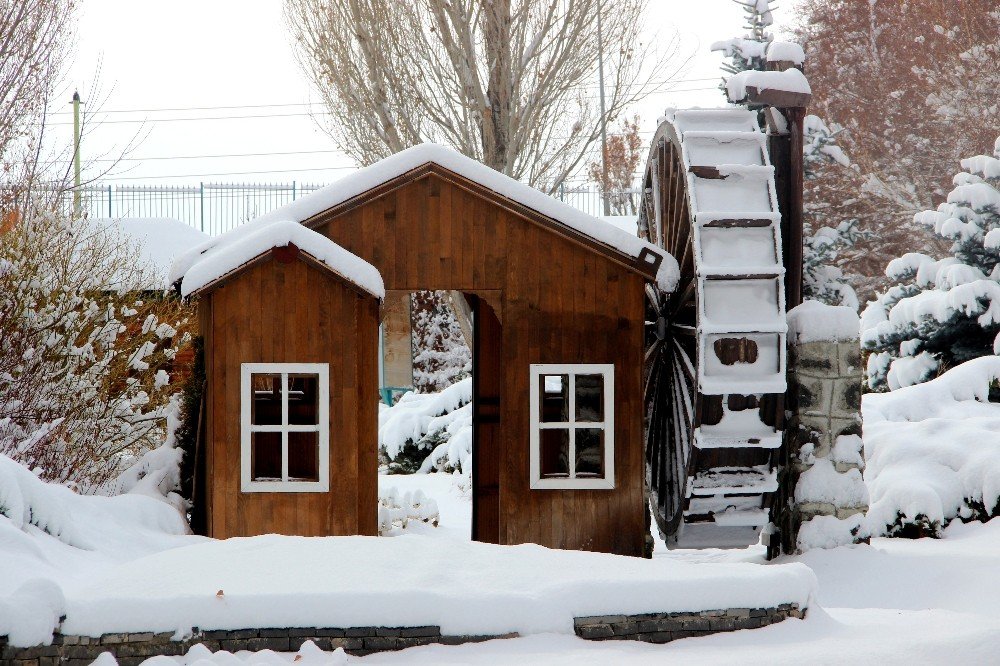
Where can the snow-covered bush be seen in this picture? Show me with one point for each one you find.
(84, 353)
(932, 452)
(941, 313)
(395, 512)
(427, 431)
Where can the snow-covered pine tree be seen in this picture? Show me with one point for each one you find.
(942, 313)
(749, 51)
(441, 356)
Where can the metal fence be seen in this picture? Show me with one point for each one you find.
(218, 207)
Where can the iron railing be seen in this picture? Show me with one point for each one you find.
(218, 207)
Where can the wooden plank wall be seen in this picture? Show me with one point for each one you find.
(559, 303)
(275, 312)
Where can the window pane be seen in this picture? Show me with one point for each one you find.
(303, 456)
(589, 453)
(590, 398)
(303, 399)
(266, 406)
(554, 391)
(265, 456)
(554, 456)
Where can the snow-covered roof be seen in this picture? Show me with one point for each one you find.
(231, 256)
(368, 178)
(790, 80)
(159, 240)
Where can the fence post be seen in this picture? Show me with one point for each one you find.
(110, 198)
(293, 190)
(201, 205)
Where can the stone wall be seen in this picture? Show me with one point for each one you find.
(825, 489)
(134, 648)
(666, 627)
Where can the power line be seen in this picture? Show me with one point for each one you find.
(235, 173)
(260, 115)
(299, 104)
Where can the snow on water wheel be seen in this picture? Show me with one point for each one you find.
(715, 348)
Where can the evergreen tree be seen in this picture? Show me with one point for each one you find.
(942, 312)
(750, 51)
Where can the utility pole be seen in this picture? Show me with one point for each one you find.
(604, 119)
(77, 201)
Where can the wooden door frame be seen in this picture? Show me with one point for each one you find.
(486, 411)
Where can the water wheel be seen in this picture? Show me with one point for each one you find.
(714, 368)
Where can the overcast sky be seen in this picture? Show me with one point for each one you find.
(168, 62)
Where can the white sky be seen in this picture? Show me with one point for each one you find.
(164, 57)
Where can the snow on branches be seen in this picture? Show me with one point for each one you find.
(85, 355)
(942, 312)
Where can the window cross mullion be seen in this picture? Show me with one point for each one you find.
(571, 387)
(284, 424)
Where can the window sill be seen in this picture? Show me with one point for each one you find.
(573, 484)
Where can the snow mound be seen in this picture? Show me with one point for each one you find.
(229, 257)
(27, 500)
(831, 532)
(933, 450)
(29, 616)
(778, 51)
(407, 160)
(249, 583)
(812, 321)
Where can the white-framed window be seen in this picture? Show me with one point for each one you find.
(572, 426)
(285, 427)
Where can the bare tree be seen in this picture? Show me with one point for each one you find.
(621, 159)
(35, 36)
(914, 85)
(510, 83)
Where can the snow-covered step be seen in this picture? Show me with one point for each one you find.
(701, 508)
(729, 480)
(736, 218)
(725, 147)
(743, 517)
(726, 441)
(712, 535)
(732, 120)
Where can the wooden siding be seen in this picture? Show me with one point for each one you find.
(558, 301)
(293, 312)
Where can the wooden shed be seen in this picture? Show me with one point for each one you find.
(558, 303)
(289, 324)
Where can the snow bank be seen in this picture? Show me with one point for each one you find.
(790, 80)
(407, 160)
(159, 240)
(933, 449)
(211, 266)
(465, 588)
(831, 532)
(812, 321)
(51, 538)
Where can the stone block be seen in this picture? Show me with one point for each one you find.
(305, 631)
(625, 628)
(349, 644)
(814, 356)
(419, 632)
(594, 631)
(849, 359)
(846, 397)
(722, 624)
(330, 633)
(657, 637)
(379, 643)
(738, 612)
(387, 631)
(359, 632)
(700, 624)
(812, 395)
(600, 619)
(273, 633)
